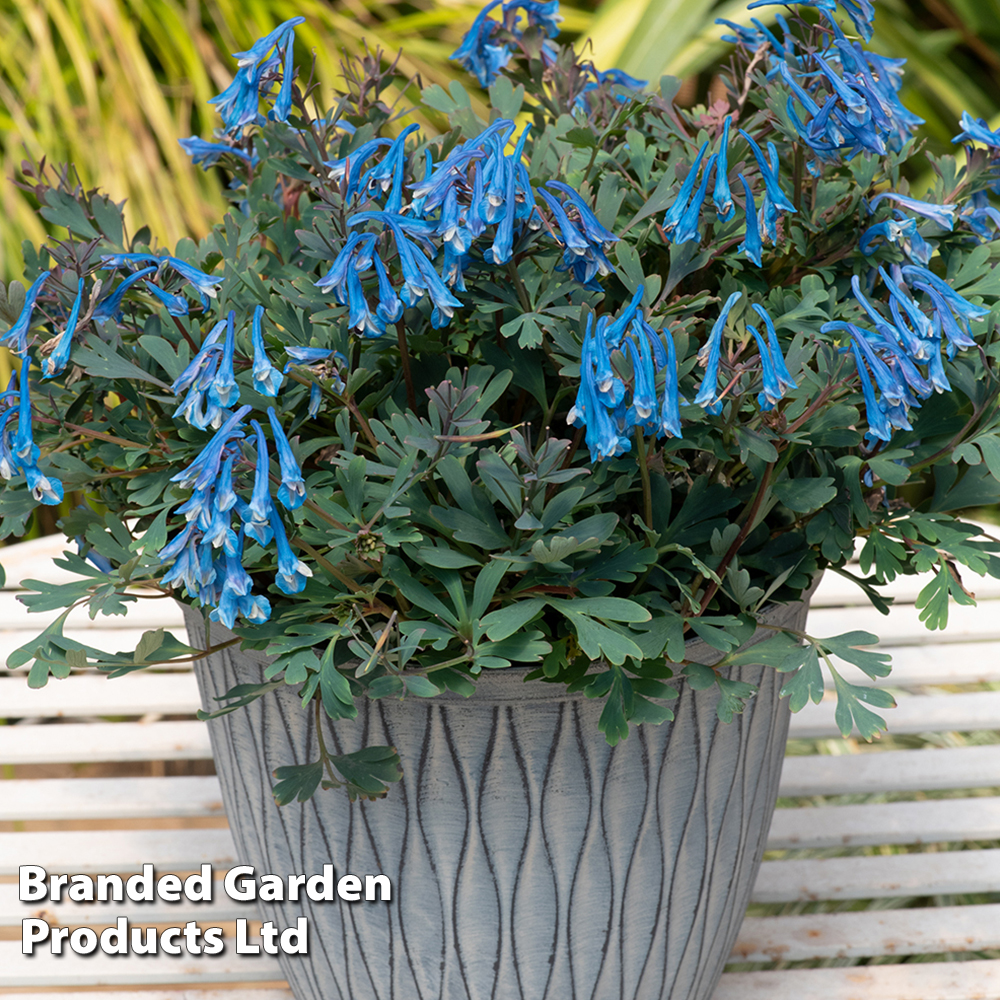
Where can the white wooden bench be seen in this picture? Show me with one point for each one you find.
(921, 853)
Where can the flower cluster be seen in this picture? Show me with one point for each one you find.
(484, 52)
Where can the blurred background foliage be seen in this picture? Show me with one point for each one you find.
(111, 85)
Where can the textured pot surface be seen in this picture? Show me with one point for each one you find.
(528, 859)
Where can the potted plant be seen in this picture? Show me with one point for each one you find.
(570, 404)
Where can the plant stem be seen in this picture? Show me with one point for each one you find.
(647, 494)
(522, 292)
(404, 358)
(751, 514)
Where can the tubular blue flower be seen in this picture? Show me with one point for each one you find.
(784, 377)
(292, 572)
(920, 322)
(266, 378)
(202, 472)
(710, 354)
(315, 399)
(891, 231)
(224, 392)
(612, 333)
(687, 226)
(751, 244)
(24, 447)
(878, 425)
(670, 410)
(59, 358)
(976, 130)
(16, 338)
(772, 393)
(209, 153)
(204, 283)
(858, 111)
(256, 514)
(306, 356)
(592, 228)
(503, 241)
(676, 210)
(722, 196)
(943, 215)
(8, 463)
(543, 13)
(250, 57)
(110, 307)
(45, 489)
(957, 337)
(292, 492)
(388, 173)
(225, 498)
(389, 308)
(893, 389)
(958, 304)
(200, 362)
(644, 390)
(176, 304)
(769, 174)
(283, 105)
(477, 54)
(350, 165)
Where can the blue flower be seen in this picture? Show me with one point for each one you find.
(24, 447)
(670, 411)
(643, 406)
(959, 305)
(224, 392)
(388, 173)
(283, 104)
(769, 173)
(208, 153)
(306, 356)
(943, 215)
(292, 572)
(256, 515)
(202, 472)
(110, 307)
(676, 210)
(772, 393)
(266, 378)
(976, 130)
(477, 53)
(252, 56)
(204, 283)
(176, 304)
(687, 226)
(890, 230)
(58, 359)
(592, 228)
(16, 338)
(292, 492)
(390, 308)
(350, 165)
(878, 424)
(710, 354)
(722, 196)
(751, 244)
(782, 374)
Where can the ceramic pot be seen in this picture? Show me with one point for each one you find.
(527, 858)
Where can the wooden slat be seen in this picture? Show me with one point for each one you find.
(927, 666)
(99, 969)
(253, 993)
(892, 770)
(110, 798)
(903, 627)
(97, 851)
(914, 714)
(927, 931)
(837, 591)
(84, 743)
(219, 909)
(136, 694)
(151, 610)
(944, 873)
(867, 773)
(930, 822)
(979, 979)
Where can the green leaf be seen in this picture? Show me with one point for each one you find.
(734, 696)
(805, 495)
(850, 712)
(367, 771)
(297, 781)
(844, 646)
(103, 361)
(807, 683)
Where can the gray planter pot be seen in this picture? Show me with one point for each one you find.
(528, 859)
